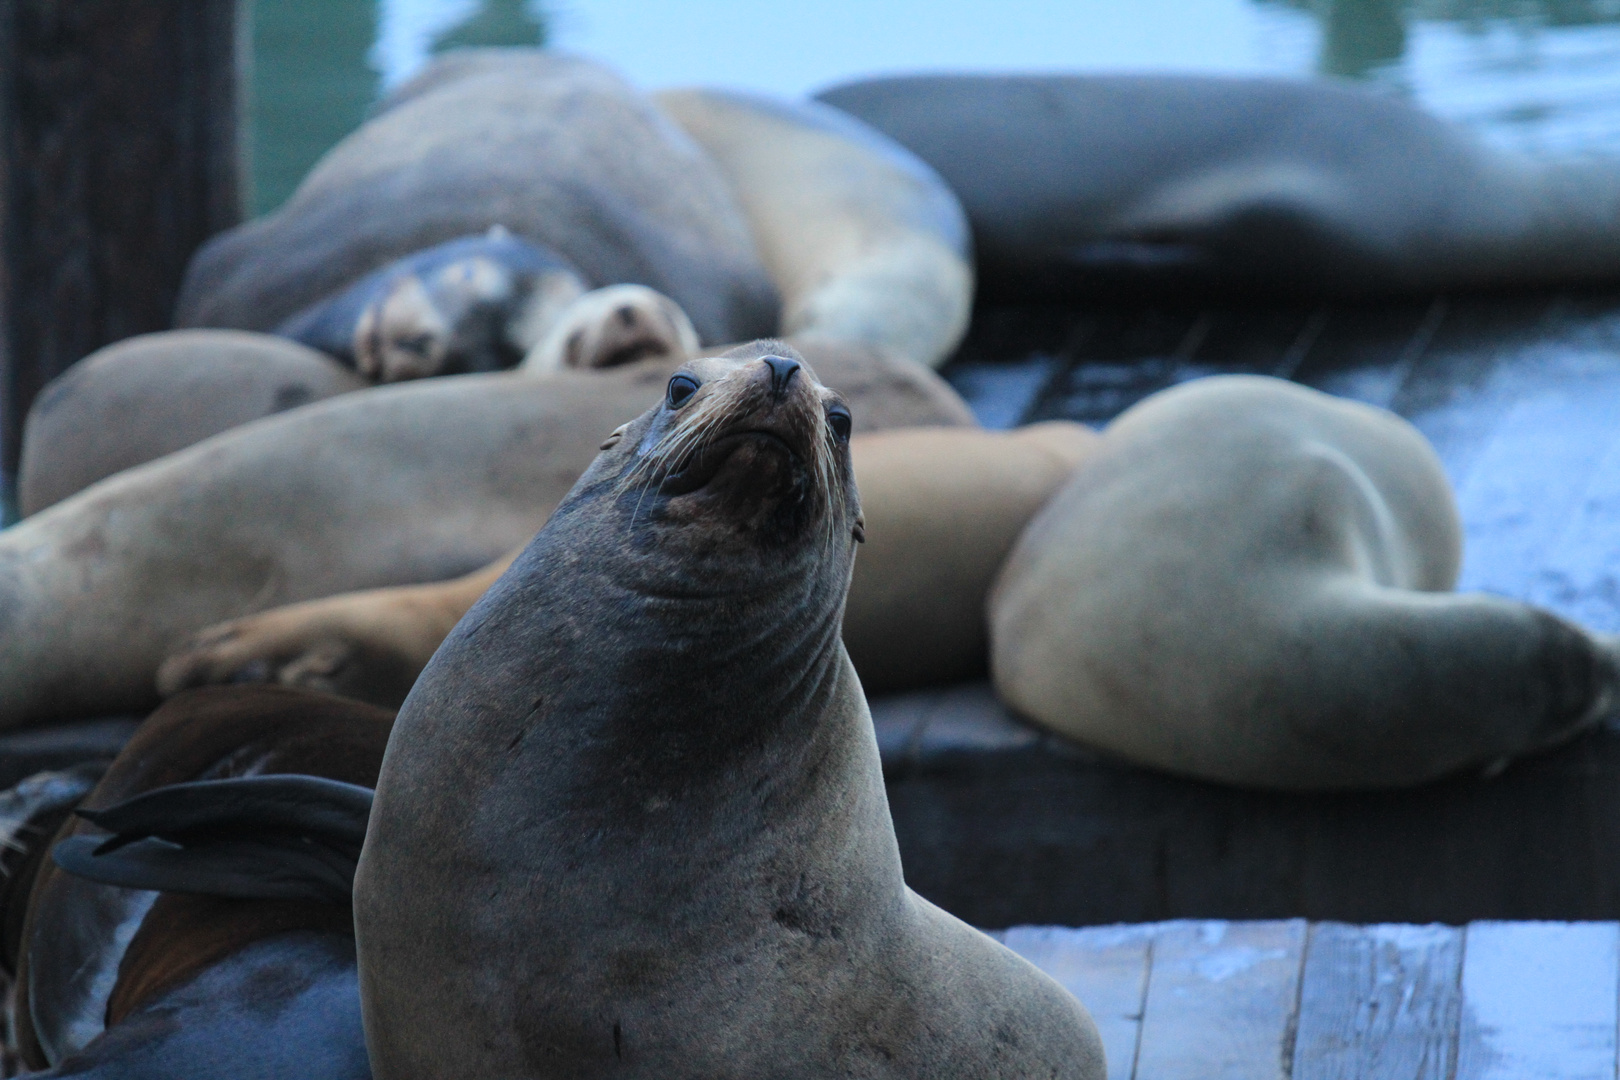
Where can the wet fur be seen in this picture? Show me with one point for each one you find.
(632, 816)
(182, 942)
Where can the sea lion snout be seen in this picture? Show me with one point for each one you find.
(755, 437)
(782, 372)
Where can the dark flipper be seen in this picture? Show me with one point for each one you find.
(273, 837)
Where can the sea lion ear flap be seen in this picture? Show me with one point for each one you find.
(618, 433)
(275, 837)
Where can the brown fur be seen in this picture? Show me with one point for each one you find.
(207, 734)
(943, 507)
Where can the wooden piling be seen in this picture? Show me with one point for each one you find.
(119, 155)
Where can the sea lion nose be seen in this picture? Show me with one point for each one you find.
(782, 371)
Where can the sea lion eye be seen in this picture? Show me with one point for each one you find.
(838, 419)
(681, 387)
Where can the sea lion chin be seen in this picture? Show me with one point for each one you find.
(632, 815)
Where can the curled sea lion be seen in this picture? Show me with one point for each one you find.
(245, 964)
(864, 241)
(943, 507)
(616, 325)
(412, 482)
(479, 303)
(632, 817)
(147, 396)
(557, 149)
(1260, 184)
(1249, 583)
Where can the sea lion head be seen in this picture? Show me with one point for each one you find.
(471, 314)
(620, 324)
(737, 482)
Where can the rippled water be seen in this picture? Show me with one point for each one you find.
(1537, 75)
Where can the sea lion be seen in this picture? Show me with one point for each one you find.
(616, 325)
(1209, 182)
(556, 149)
(478, 303)
(632, 816)
(864, 241)
(150, 395)
(1249, 583)
(943, 507)
(129, 982)
(417, 481)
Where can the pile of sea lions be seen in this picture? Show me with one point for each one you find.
(599, 436)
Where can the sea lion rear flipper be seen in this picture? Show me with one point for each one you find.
(259, 837)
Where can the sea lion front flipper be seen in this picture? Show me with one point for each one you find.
(276, 837)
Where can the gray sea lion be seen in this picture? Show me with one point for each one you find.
(156, 393)
(478, 303)
(864, 241)
(243, 965)
(632, 817)
(412, 482)
(943, 507)
(1249, 583)
(556, 149)
(1074, 183)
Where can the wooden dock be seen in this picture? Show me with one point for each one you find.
(1331, 1001)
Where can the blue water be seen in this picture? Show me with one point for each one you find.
(1542, 76)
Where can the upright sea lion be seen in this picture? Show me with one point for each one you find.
(864, 241)
(150, 395)
(478, 303)
(1249, 583)
(554, 148)
(131, 983)
(632, 818)
(943, 507)
(413, 482)
(1073, 183)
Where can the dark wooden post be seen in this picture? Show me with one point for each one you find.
(119, 155)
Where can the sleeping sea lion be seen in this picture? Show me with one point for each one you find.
(150, 395)
(943, 507)
(1078, 182)
(557, 149)
(616, 325)
(632, 818)
(417, 481)
(245, 964)
(478, 303)
(864, 241)
(1249, 583)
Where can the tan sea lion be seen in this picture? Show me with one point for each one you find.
(943, 507)
(864, 241)
(632, 818)
(616, 325)
(244, 964)
(557, 149)
(1249, 583)
(150, 395)
(413, 482)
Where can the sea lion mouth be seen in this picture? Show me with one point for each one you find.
(694, 471)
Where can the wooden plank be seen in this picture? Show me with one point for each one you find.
(1106, 967)
(1221, 1000)
(121, 157)
(1539, 1001)
(1379, 1002)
